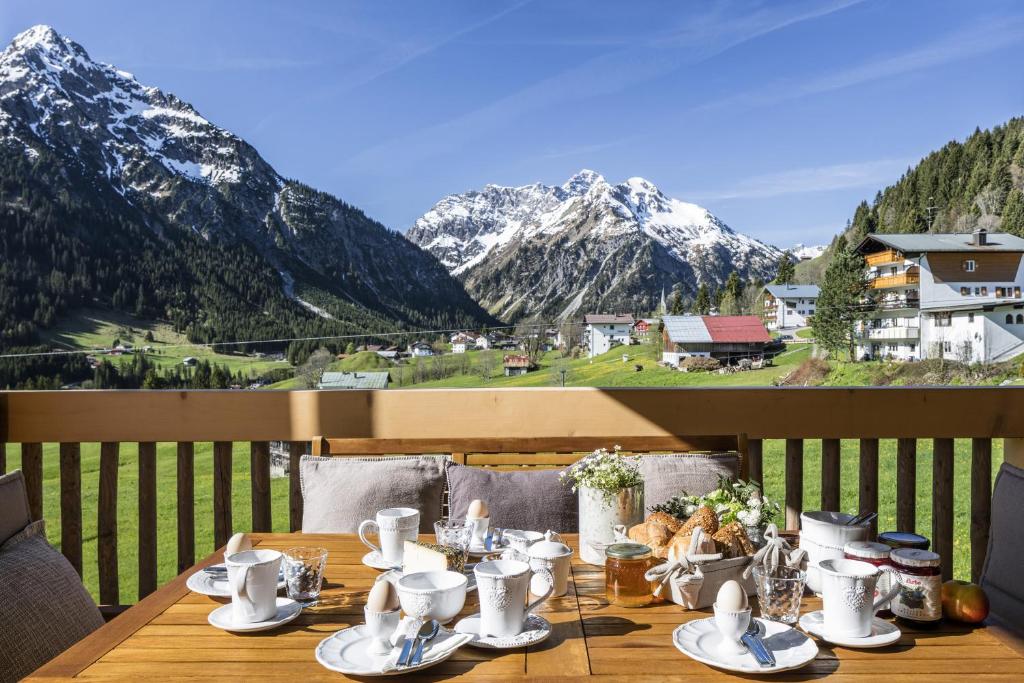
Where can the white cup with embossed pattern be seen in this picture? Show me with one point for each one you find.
(847, 589)
(393, 526)
(503, 586)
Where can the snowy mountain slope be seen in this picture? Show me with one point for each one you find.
(556, 251)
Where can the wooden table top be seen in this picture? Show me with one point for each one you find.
(166, 636)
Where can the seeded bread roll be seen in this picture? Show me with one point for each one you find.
(666, 520)
(732, 540)
(705, 518)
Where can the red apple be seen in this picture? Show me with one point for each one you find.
(963, 601)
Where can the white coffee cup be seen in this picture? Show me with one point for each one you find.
(393, 527)
(554, 557)
(252, 577)
(816, 552)
(503, 586)
(847, 589)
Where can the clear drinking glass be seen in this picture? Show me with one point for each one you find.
(304, 574)
(455, 533)
(779, 592)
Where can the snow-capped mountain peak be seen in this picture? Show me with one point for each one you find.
(593, 235)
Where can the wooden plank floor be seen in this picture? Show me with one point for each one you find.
(167, 637)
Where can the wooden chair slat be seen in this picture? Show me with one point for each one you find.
(328, 446)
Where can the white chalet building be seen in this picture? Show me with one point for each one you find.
(602, 331)
(955, 296)
(788, 307)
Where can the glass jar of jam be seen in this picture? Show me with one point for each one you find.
(624, 569)
(919, 601)
(876, 554)
(903, 539)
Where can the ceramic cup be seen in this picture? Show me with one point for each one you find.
(520, 540)
(480, 526)
(848, 587)
(503, 586)
(555, 558)
(816, 552)
(252, 577)
(381, 626)
(436, 595)
(731, 625)
(393, 527)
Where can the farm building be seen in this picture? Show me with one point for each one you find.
(516, 365)
(354, 380)
(725, 337)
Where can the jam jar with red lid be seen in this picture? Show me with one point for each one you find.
(919, 600)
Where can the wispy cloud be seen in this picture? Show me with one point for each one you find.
(814, 179)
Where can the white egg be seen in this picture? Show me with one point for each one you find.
(237, 543)
(477, 510)
(731, 597)
(382, 598)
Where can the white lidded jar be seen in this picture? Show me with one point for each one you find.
(601, 512)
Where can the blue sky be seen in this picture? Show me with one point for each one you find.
(777, 116)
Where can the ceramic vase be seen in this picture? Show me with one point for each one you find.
(600, 514)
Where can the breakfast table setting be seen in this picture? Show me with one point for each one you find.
(700, 588)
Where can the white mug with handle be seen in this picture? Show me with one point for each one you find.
(252, 577)
(393, 527)
(503, 586)
(847, 589)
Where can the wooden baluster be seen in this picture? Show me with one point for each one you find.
(259, 477)
(32, 468)
(221, 492)
(71, 504)
(868, 498)
(295, 452)
(830, 474)
(106, 524)
(942, 504)
(981, 503)
(3, 457)
(755, 457)
(186, 506)
(147, 518)
(794, 482)
(906, 485)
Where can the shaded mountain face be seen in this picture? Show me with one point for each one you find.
(90, 138)
(554, 252)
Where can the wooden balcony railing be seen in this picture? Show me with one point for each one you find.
(882, 258)
(389, 420)
(911, 276)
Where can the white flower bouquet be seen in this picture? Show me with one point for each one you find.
(605, 471)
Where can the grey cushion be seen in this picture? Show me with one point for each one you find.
(695, 473)
(44, 608)
(531, 499)
(1001, 575)
(14, 514)
(340, 492)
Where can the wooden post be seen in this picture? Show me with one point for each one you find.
(755, 456)
(794, 482)
(71, 504)
(3, 458)
(32, 468)
(259, 478)
(186, 506)
(981, 503)
(221, 492)
(942, 504)
(906, 485)
(147, 518)
(106, 524)
(830, 474)
(868, 498)
(295, 451)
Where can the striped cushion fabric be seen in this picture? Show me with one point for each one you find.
(1001, 575)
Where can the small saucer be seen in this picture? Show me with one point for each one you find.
(479, 549)
(882, 632)
(699, 639)
(535, 630)
(287, 609)
(214, 585)
(347, 652)
(374, 559)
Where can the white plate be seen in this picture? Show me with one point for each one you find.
(478, 549)
(214, 586)
(287, 609)
(882, 632)
(699, 640)
(373, 559)
(536, 630)
(347, 652)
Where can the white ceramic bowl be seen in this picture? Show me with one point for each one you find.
(432, 595)
(830, 528)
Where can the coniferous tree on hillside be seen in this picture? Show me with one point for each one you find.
(702, 305)
(787, 270)
(839, 301)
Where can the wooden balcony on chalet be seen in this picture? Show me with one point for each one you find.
(910, 277)
(884, 258)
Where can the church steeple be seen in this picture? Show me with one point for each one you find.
(664, 308)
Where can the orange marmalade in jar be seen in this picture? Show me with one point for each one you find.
(624, 569)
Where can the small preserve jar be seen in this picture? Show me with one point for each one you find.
(876, 554)
(903, 539)
(624, 569)
(920, 598)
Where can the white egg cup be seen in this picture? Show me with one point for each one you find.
(381, 626)
(480, 525)
(731, 625)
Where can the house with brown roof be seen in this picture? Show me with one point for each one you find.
(516, 364)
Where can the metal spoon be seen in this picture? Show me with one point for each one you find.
(752, 639)
(427, 633)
